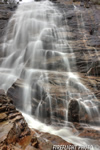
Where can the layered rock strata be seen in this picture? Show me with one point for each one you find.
(84, 37)
(15, 133)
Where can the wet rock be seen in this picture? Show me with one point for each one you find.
(90, 133)
(53, 0)
(94, 71)
(73, 111)
(14, 125)
(40, 102)
(95, 1)
(5, 15)
(3, 116)
(80, 111)
(83, 39)
(2, 92)
(16, 95)
(46, 141)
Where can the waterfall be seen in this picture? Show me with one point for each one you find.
(38, 57)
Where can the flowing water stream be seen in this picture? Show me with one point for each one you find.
(37, 52)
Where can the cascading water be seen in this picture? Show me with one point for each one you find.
(36, 51)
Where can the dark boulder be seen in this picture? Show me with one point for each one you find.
(73, 111)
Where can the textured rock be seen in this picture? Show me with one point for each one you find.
(83, 25)
(12, 123)
(15, 133)
(78, 112)
(58, 97)
(90, 133)
(94, 71)
(73, 111)
(82, 33)
(87, 131)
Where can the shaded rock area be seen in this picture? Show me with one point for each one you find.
(73, 113)
(78, 112)
(5, 14)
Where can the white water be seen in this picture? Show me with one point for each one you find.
(66, 133)
(34, 31)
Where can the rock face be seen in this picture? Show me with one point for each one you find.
(5, 14)
(86, 131)
(82, 34)
(73, 111)
(12, 124)
(15, 133)
(83, 25)
(77, 112)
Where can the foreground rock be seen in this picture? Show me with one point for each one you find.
(15, 133)
(90, 132)
(13, 127)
